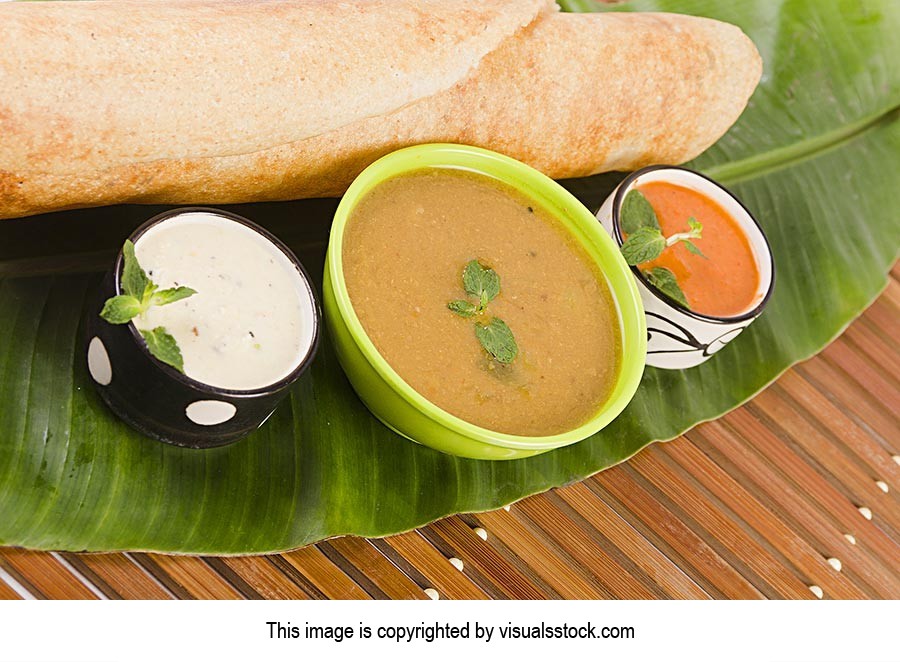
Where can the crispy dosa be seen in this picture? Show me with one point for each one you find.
(279, 101)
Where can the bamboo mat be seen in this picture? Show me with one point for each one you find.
(794, 495)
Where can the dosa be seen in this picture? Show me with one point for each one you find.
(189, 101)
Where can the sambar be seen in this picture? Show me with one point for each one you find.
(406, 246)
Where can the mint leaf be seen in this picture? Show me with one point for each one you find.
(462, 308)
(644, 245)
(664, 281)
(164, 347)
(171, 295)
(140, 293)
(134, 280)
(495, 337)
(636, 212)
(121, 309)
(472, 278)
(497, 340)
(490, 282)
(692, 247)
(695, 226)
(481, 282)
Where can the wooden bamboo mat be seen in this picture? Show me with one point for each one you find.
(794, 495)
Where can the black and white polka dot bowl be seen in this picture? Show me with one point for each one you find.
(678, 337)
(166, 404)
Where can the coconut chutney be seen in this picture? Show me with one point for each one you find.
(251, 322)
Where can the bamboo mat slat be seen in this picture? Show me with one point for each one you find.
(260, 578)
(780, 496)
(672, 534)
(326, 579)
(883, 313)
(817, 489)
(589, 548)
(842, 469)
(811, 487)
(494, 568)
(524, 539)
(652, 561)
(843, 431)
(868, 340)
(877, 422)
(188, 576)
(46, 576)
(798, 491)
(8, 593)
(719, 526)
(794, 552)
(118, 576)
(866, 375)
(387, 580)
(420, 560)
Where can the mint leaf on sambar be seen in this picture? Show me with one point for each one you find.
(636, 212)
(497, 340)
(463, 308)
(495, 336)
(164, 347)
(481, 282)
(490, 285)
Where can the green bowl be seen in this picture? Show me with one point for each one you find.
(394, 401)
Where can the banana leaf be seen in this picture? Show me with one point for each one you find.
(816, 156)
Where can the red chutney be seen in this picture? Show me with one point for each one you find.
(723, 285)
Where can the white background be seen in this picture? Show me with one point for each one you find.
(821, 631)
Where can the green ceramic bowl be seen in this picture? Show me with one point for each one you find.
(389, 397)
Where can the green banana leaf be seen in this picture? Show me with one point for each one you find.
(816, 156)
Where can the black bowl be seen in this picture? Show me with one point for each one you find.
(158, 400)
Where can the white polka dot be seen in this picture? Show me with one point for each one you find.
(431, 593)
(98, 362)
(817, 591)
(210, 412)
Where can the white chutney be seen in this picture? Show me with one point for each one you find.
(252, 320)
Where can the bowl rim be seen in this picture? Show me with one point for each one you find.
(754, 312)
(577, 220)
(202, 387)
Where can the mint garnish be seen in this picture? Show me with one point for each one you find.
(664, 281)
(163, 346)
(140, 294)
(495, 336)
(637, 212)
(497, 340)
(646, 242)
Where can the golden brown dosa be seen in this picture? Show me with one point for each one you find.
(569, 94)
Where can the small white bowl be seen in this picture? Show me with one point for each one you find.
(677, 337)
